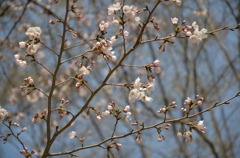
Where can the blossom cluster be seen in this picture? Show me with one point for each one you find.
(28, 85)
(105, 46)
(19, 60)
(34, 37)
(197, 35)
(79, 75)
(194, 37)
(166, 108)
(37, 116)
(192, 103)
(3, 113)
(188, 134)
(141, 91)
(130, 11)
(112, 110)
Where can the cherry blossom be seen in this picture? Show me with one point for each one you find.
(3, 113)
(113, 8)
(187, 101)
(197, 35)
(34, 32)
(127, 117)
(19, 61)
(138, 93)
(174, 21)
(83, 70)
(72, 134)
(22, 44)
(178, 2)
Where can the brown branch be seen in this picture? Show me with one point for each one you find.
(145, 128)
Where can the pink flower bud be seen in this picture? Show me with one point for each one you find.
(24, 129)
(159, 138)
(98, 117)
(134, 123)
(51, 22)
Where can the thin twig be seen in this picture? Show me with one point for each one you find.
(49, 48)
(43, 66)
(79, 44)
(41, 91)
(77, 56)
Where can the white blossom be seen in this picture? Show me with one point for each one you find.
(22, 44)
(127, 9)
(150, 87)
(178, 2)
(147, 99)
(19, 61)
(107, 112)
(127, 117)
(72, 134)
(83, 70)
(126, 33)
(174, 21)
(3, 113)
(113, 8)
(187, 101)
(200, 125)
(197, 35)
(115, 22)
(34, 32)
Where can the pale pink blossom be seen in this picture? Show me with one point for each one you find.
(200, 126)
(32, 49)
(107, 112)
(179, 134)
(127, 117)
(98, 117)
(174, 21)
(197, 35)
(113, 8)
(3, 113)
(103, 25)
(22, 44)
(24, 129)
(199, 103)
(147, 99)
(138, 139)
(133, 95)
(83, 70)
(127, 9)
(156, 63)
(187, 101)
(137, 20)
(126, 108)
(188, 136)
(72, 134)
(189, 33)
(19, 61)
(160, 138)
(157, 70)
(34, 32)
(115, 22)
(178, 2)
(109, 107)
(126, 33)
(113, 39)
(150, 87)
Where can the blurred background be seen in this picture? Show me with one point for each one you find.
(210, 69)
